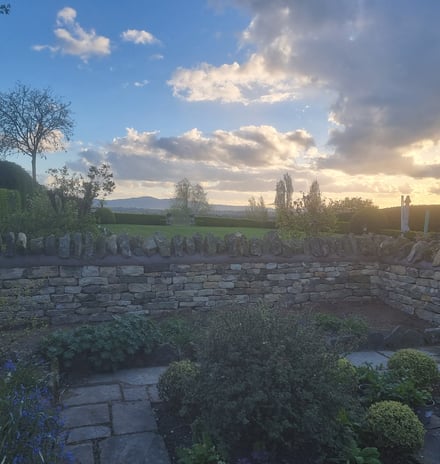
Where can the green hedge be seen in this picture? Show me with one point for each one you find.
(10, 202)
(140, 219)
(214, 221)
(416, 217)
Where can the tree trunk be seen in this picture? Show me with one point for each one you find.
(34, 167)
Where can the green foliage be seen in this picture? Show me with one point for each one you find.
(14, 177)
(309, 215)
(69, 188)
(41, 219)
(177, 386)
(105, 216)
(200, 453)
(416, 366)
(213, 221)
(181, 333)
(102, 347)
(140, 219)
(30, 427)
(416, 217)
(189, 199)
(10, 202)
(394, 428)
(342, 325)
(369, 219)
(357, 455)
(266, 377)
(379, 385)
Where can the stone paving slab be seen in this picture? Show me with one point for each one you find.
(83, 453)
(371, 357)
(431, 450)
(90, 432)
(130, 417)
(133, 393)
(91, 394)
(139, 448)
(143, 376)
(90, 414)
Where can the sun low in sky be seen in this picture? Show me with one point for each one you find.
(232, 94)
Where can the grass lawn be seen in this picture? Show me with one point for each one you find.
(185, 231)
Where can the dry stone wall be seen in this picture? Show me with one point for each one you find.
(78, 285)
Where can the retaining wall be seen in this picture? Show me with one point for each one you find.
(64, 294)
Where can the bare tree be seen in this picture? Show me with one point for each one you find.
(189, 199)
(33, 122)
(5, 8)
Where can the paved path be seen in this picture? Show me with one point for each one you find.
(110, 421)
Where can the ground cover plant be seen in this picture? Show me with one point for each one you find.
(30, 427)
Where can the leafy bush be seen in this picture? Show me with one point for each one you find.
(416, 366)
(102, 347)
(10, 202)
(379, 385)
(200, 453)
(267, 377)
(105, 216)
(368, 220)
(181, 333)
(177, 386)
(14, 177)
(394, 428)
(30, 426)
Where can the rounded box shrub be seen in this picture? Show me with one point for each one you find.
(394, 427)
(177, 386)
(416, 366)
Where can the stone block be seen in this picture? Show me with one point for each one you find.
(93, 394)
(139, 448)
(78, 416)
(90, 432)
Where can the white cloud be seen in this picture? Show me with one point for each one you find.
(139, 37)
(73, 40)
(378, 68)
(142, 83)
(250, 82)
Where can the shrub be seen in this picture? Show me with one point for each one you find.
(177, 386)
(102, 347)
(368, 219)
(394, 428)
(266, 377)
(14, 177)
(30, 426)
(10, 202)
(105, 216)
(416, 366)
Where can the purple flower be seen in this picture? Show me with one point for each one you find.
(9, 366)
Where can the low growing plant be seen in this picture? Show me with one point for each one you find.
(103, 347)
(204, 452)
(30, 426)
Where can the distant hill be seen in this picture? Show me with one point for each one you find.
(151, 204)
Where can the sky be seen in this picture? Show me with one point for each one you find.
(232, 94)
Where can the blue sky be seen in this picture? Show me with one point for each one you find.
(234, 93)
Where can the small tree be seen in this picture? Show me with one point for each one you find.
(71, 188)
(33, 122)
(308, 215)
(189, 199)
(257, 210)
